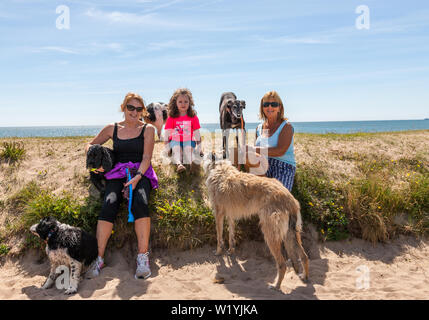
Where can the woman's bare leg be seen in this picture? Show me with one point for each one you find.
(104, 231)
(142, 228)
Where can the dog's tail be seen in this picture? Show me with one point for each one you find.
(293, 244)
(295, 220)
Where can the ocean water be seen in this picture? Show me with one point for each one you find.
(304, 127)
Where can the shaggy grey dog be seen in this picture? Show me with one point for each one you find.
(68, 246)
(234, 194)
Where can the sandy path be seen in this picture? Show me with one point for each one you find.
(398, 270)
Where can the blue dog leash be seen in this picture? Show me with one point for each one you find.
(130, 201)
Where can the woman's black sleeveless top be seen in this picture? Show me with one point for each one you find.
(127, 150)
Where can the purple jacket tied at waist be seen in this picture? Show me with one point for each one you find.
(119, 172)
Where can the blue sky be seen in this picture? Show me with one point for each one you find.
(323, 67)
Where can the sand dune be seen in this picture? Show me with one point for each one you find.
(396, 270)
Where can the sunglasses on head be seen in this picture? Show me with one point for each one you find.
(273, 104)
(132, 108)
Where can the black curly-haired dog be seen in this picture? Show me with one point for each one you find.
(66, 246)
(99, 156)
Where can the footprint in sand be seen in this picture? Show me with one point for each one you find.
(192, 287)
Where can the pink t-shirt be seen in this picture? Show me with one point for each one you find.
(183, 127)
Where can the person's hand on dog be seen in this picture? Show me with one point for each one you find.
(98, 170)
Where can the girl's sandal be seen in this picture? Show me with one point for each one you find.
(180, 168)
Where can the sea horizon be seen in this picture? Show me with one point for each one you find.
(318, 127)
(206, 123)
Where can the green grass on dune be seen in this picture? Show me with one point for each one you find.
(385, 198)
(371, 206)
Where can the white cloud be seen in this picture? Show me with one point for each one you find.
(149, 19)
(293, 40)
(171, 44)
(58, 49)
(114, 46)
(164, 5)
(82, 49)
(126, 18)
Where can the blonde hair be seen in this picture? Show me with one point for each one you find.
(131, 95)
(272, 95)
(173, 111)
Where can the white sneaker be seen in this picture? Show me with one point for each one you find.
(143, 269)
(95, 268)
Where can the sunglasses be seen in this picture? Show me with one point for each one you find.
(273, 104)
(132, 108)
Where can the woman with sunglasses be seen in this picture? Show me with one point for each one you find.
(133, 143)
(274, 138)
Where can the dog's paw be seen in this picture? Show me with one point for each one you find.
(70, 290)
(274, 287)
(303, 277)
(47, 284)
(218, 252)
(231, 251)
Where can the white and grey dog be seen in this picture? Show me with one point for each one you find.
(66, 246)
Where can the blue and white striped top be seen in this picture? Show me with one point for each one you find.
(289, 156)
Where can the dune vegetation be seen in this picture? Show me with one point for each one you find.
(366, 185)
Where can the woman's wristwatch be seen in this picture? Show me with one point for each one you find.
(139, 173)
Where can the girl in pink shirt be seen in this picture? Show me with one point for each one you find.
(182, 128)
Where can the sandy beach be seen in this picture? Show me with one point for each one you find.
(398, 270)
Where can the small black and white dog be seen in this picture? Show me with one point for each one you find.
(99, 156)
(157, 115)
(66, 246)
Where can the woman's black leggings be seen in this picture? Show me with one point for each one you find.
(114, 196)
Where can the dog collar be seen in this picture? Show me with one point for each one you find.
(50, 233)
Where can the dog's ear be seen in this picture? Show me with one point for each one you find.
(151, 111)
(90, 156)
(243, 104)
(94, 156)
(164, 114)
(88, 162)
(229, 104)
(106, 160)
(50, 220)
(46, 225)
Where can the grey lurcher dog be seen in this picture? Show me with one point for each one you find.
(231, 117)
(234, 194)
